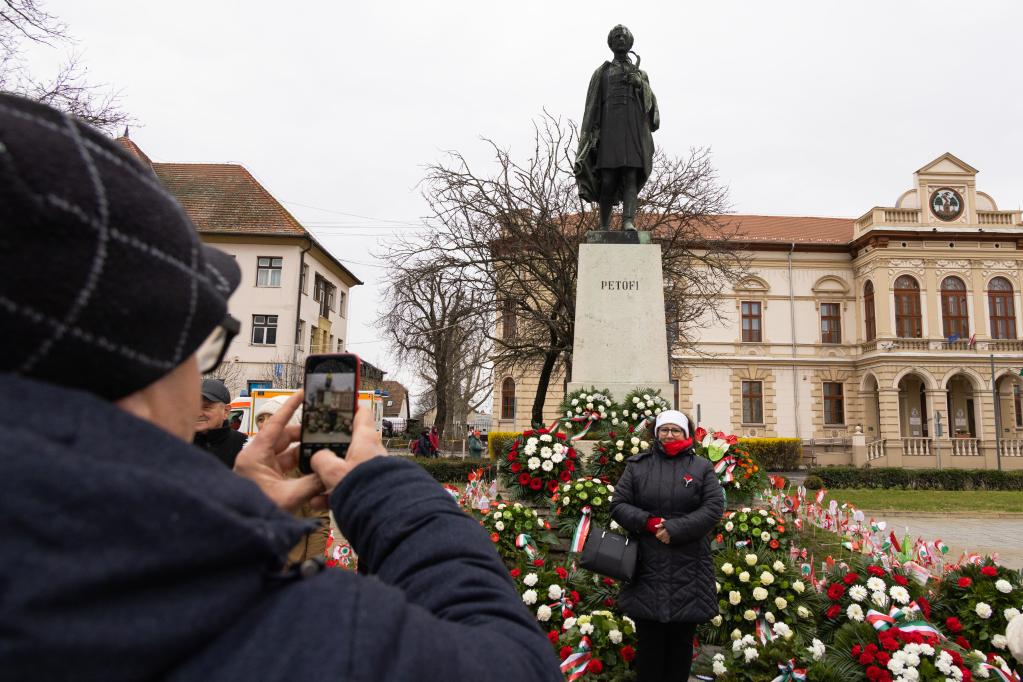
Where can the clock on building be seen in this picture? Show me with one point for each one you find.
(946, 204)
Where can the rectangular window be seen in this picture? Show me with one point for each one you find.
(1017, 404)
(264, 330)
(831, 323)
(323, 293)
(313, 346)
(509, 322)
(751, 322)
(341, 303)
(300, 334)
(834, 405)
(268, 271)
(303, 284)
(752, 402)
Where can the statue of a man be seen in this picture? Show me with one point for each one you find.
(616, 145)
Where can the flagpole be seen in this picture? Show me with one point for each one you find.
(998, 414)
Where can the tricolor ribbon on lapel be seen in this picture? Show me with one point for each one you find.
(904, 618)
(582, 530)
(788, 671)
(526, 544)
(574, 665)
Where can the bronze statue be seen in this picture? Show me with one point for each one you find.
(616, 145)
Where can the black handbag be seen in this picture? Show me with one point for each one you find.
(609, 554)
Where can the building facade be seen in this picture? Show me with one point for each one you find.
(293, 297)
(881, 336)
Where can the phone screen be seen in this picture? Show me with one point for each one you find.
(331, 395)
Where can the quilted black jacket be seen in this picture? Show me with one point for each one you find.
(674, 583)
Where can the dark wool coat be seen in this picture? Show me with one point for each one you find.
(224, 443)
(131, 555)
(673, 583)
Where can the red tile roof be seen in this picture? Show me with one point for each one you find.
(786, 229)
(133, 149)
(398, 394)
(224, 197)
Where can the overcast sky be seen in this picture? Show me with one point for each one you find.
(811, 108)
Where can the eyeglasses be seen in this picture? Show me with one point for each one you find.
(212, 351)
(665, 431)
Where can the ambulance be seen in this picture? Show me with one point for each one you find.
(243, 408)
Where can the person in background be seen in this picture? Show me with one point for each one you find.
(212, 431)
(112, 310)
(671, 499)
(476, 445)
(423, 446)
(434, 441)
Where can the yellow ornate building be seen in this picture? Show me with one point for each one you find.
(879, 336)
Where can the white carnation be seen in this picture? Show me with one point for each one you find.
(780, 602)
(816, 649)
(983, 610)
(999, 642)
(530, 579)
(782, 630)
(529, 597)
(615, 636)
(750, 654)
(1010, 613)
(569, 622)
(543, 613)
(586, 629)
(546, 438)
(554, 592)
(803, 612)
(1003, 586)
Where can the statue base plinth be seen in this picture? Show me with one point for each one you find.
(617, 237)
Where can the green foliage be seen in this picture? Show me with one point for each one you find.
(641, 407)
(813, 482)
(506, 521)
(758, 529)
(573, 496)
(587, 409)
(775, 454)
(963, 589)
(451, 470)
(919, 479)
(498, 442)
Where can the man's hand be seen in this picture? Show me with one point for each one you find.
(365, 445)
(272, 453)
(662, 534)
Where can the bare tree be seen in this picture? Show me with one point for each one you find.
(283, 372)
(229, 372)
(511, 237)
(436, 325)
(25, 21)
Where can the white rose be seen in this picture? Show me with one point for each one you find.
(769, 617)
(736, 635)
(734, 598)
(1010, 613)
(610, 488)
(529, 597)
(766, 578)
(575, 401)
(634, 451)
(498, 514)
(579, 410)
(780, 603)
(727, 569)
(648, 413)
(855, 612)
(635, 400)
(543, 613)
(586, 629)
(999, 642)
(803, 612)
(615, 636)
(1003, 586)
(729, 526)
(759, 593)
(634, 441)
(569, 622)
(530, 579)
(749, 614)
(619, 457)
(643, 444)
(778, 566)
(744, 577)
(717, 586)
(751, 559)
(716, 620)
(983, 610)
(554, 592)
(798, 586)
(614, 421)
(589, 406)
(499, 525)
(620, 444)
(614, 525)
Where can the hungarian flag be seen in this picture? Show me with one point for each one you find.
(822, 492)
(973, 339)
(895, 542)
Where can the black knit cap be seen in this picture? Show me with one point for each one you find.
(106, 285)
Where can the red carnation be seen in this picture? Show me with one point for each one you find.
(925, 606)
(883, 657)
(553, 636)
(963, 642)
(515, 572)
(856, 650)
(833, 611)
(628, 653)
(565, 476)
(575, 596)
(900, 579)
(964, 582)
(875, 571)
(870, 649)
(512, 456)
(559, 436)
(562, 573)
(565, 652)
(595, 666)
(850, 578)
(527, 433)
(609, 581)
(609, 602)
(516, 467)
(538, 562)
(874, 673)
(524, 479)
(866, 659)
(552, 486)
(835, 591)
(571, 454)
(989, 571)
(536, 484)
(953, 625)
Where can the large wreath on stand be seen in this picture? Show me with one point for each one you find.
(536, 463)
(640, 408)
(586, 411)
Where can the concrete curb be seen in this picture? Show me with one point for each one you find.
(943, 515)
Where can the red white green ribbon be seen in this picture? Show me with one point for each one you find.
(724, 468)
(789, 671)
(763, 629)
(582, 530)
(574, 665)
(1000, 674)
(902, 618)
(525, 543)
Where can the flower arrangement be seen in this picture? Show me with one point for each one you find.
(608, 459)
(758, 529)
(583, 493)
(850, 595)
(756, 590)
(586, 411)
(545, 592)
(976, 602)
(601, 643)
(536, 463)
(640, 408)
(747, 659)
(739, 473)
(518, 532)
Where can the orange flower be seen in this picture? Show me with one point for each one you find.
(494, 537)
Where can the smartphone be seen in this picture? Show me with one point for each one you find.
(331, 398)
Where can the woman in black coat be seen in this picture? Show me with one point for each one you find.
(671, 500)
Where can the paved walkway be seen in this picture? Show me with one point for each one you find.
(981, 535)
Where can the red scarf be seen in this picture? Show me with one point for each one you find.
(673, 448)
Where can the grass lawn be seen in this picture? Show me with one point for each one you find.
(930, 500)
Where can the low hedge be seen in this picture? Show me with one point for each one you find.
(774, 454)
(919, 479)
(450, 470)
(499, 441)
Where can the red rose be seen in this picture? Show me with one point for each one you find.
(512, 456)
(875, 571)
(609, 602)
(494, 537)
(953, 625)
(562, 573)
(524, 479)
(595, 666)
(538, 562)
(835, 591)
(964, 582)
(628, 653)
(565, 652)
(565, 476)
(516, 467)
(552, 486)
(850, 578)
(602, 460)
(774, 544)
(553, 636)
(963, 642)
(536, 484)
(833, 611)
(900, 579)
(515, 572)
(989, 571)
(701, 433)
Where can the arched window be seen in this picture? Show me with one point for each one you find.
(508, 399)
(868, 310)
(955, 318)
(1000, 309)
(908, 324)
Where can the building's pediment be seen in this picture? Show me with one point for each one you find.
(829, 284)
(948, 164)
(752, 283)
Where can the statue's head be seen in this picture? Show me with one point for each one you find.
(620, 39)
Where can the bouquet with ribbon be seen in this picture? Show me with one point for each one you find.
(581, 498)
(785, 658)
(608, 459)
(519, 534)
(544, 590)
(738, 471)
(852, 594)
(586, 412)
(536, 463)
(597, 646)
(640, 408)
(758, 529)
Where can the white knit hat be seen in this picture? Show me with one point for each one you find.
(672, 417)
(277, 402)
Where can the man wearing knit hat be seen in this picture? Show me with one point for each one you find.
(129, 554)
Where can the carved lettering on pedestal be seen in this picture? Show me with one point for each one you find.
(619, 285)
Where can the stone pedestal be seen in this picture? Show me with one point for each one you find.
(620, 333)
